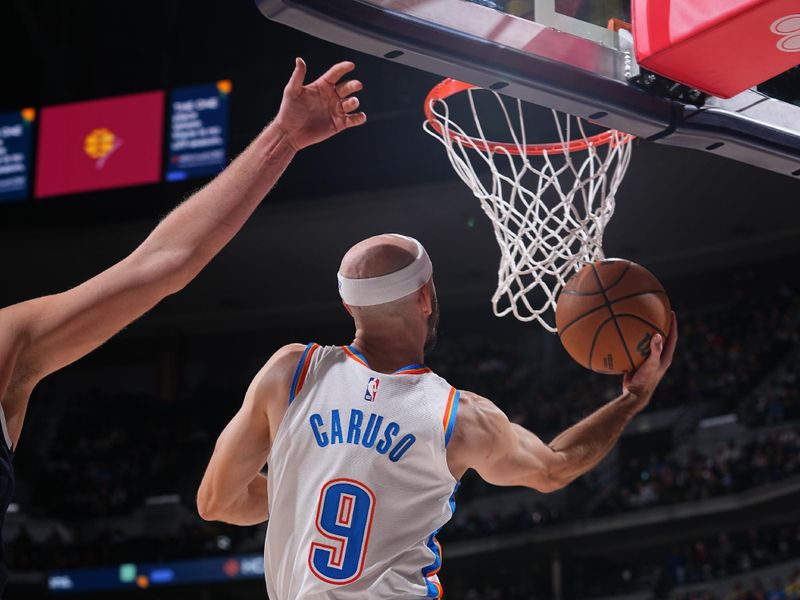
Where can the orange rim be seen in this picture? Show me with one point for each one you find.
(450, 87)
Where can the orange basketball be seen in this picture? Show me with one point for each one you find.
(607, 313)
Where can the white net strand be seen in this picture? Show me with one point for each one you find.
(547, 231)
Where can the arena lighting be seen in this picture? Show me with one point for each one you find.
(165, 575)
(57, 583)
(718, 421)
(166, 499)
(223, 542)
(153, 575)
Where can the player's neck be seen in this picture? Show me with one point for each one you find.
(387, 353)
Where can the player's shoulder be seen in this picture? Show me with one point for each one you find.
(478, 424)
(274, 380)
(475, 405)
(477, 417)
(282, 363)
(288, 353)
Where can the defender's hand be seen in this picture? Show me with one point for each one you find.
(642, 383)
(312, 113)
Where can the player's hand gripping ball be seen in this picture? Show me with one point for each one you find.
(607, 314)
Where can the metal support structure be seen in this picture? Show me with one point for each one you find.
(552, 68)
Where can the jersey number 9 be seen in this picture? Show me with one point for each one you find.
(344, 518)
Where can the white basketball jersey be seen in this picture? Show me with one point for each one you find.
(358, 481)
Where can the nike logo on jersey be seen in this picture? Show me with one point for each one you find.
(360, 429)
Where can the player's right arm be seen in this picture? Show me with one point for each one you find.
(504, 453)
(232, 490)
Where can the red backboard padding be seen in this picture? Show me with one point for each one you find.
(721, 47)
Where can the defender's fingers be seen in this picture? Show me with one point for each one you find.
(349, 87)
(350, 104)
(337, 71)
(355, 119)
(298, 75)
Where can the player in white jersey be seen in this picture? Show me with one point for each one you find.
(365, 445)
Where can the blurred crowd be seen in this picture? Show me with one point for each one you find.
(106, 454)
(658, 480)
(722, 356)
(733, 468)
(726, 555)
(698, 563)
(778, 588)
(107, 461)
(777, 402)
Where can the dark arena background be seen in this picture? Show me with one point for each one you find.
(699, 499)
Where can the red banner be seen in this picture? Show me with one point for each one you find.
(100, 144)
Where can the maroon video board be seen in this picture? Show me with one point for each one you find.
(100, 144)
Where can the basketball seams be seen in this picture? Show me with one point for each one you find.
(620, 278)
(636, 294)
(645, 321)
(583, 316)
(594, 339)
(577, 293)
(601, 306)
(613, 316)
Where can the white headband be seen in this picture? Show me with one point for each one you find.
(380, 290)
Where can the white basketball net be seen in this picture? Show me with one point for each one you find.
(548, 218)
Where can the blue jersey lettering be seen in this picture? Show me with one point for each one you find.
(402, 447)
(336, 428)
(354, 428)
(361, 434)
(371, 432)
(392, 429)
(321, 437)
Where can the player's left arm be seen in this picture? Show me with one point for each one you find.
(504, 453)
(232, 489)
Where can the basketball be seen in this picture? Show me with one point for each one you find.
(608, 312)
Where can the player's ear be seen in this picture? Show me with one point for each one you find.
(425, 300)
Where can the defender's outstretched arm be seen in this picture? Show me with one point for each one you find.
(232, 489)
(40, 336)
(504, 453)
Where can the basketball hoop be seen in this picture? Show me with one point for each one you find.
(548, 218)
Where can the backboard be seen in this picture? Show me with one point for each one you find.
(555, 53)
(583, 18)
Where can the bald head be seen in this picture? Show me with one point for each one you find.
(378, 255)
(414, 314)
